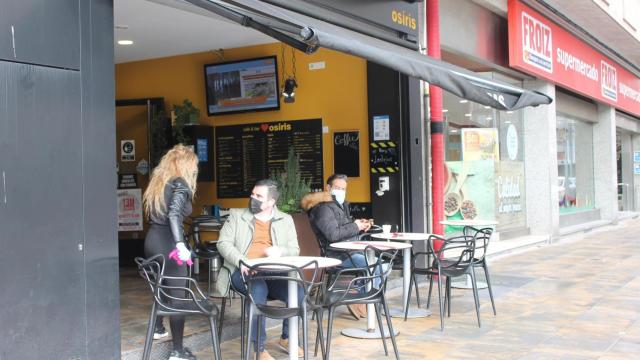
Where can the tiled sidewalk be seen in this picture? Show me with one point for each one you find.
(576, 299)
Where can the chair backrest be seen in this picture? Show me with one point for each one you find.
(170, 293)
(455, 254)
(270, 271)
(384, 259)
(482, 237)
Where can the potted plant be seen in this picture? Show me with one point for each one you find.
(185, 114)
(292, 189)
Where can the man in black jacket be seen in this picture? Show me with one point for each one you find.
(331, 222)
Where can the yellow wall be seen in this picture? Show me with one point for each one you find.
(337, 94)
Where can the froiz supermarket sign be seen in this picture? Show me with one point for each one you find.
(540, 47)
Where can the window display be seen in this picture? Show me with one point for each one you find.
(575, 164)
(484, 157)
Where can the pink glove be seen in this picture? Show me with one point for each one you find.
(174, 255)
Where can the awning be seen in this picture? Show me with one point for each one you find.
(307, 34)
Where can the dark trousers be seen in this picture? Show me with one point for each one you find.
(261, 291)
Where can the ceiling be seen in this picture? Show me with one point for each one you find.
(160, 28)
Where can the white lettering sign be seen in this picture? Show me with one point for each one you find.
(609, 81)
(536, 43)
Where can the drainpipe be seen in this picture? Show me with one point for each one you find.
(437, 125)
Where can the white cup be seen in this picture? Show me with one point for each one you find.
(386, 229)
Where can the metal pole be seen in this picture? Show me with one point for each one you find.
(437, 125)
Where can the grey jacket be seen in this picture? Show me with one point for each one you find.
(236, 237)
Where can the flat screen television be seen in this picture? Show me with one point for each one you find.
(237, 86)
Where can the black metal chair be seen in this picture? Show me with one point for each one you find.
(454, 258)
(173, 299)
(273, 272)
(243, 307)
(361, 290)
(482, 237)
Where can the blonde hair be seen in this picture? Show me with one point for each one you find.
(180, 161)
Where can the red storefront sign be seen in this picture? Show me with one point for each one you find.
(540, 47)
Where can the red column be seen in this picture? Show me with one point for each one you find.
(437, 126)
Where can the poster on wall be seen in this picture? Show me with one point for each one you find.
(130, 210)
(469, 191)
(510, 199)
(346, 153)
(127, 150)
(480, 144)
(381, 128)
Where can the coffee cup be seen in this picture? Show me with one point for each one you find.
(386, 229)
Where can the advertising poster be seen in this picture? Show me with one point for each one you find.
(510, 195)
(381, 128)
(469, 191)
(130, 210)
(480, 144)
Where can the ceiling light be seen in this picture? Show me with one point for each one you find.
(509, 112)
(489, 118)
(487, 107)
(507, 122)
(445, 110)
(125, 42)
(467, 114)
(463, 101)
(453, 131)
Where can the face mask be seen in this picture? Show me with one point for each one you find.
(339, 195)
(255, 206)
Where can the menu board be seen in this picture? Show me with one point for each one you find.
(346, 153)
(250, 152)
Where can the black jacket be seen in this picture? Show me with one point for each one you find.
(330, 222)
(177, 197)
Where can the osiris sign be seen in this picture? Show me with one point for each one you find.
(404, 19)
(536, 43)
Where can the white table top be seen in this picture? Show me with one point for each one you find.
(323, 262)
(469, 222)
(361, 245)
(402, 236)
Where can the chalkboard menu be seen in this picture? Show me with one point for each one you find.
(250, 152)
(346, 153)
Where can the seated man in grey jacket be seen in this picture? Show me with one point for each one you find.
(261, 230)
(331, 222)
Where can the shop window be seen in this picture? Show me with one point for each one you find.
(575, 165)
(484, 157)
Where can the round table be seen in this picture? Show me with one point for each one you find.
(478, 224)
(406, 270)
(370, 332)
(298, 261)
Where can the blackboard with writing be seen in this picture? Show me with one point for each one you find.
(250, 152)
(346, 153)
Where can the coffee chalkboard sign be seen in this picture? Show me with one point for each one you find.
(346, 153)
(250, 152)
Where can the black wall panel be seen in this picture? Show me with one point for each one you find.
(59, 266)
(43, 32)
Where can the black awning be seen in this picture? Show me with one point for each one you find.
(306, 34)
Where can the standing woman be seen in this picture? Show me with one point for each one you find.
(167, 201)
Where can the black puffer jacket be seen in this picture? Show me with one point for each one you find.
(330, 222)
(177, 197)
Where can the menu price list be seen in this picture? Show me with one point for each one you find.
(250, 152)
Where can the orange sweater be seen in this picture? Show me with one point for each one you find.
(261, 239)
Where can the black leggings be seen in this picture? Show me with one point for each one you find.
(160, 241)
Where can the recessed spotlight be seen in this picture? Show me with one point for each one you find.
(445, 110)
(125, 42)
(464, 101)
(467, 114)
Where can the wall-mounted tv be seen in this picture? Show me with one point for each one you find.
(247, 85)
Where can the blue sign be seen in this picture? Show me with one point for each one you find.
(636, 156)
(202, 150)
